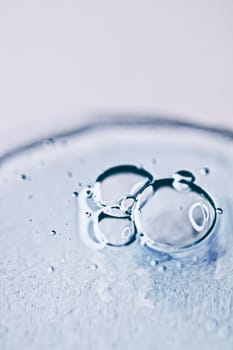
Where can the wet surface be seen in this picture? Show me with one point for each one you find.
(62, 290)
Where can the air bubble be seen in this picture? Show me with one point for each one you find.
(166, 228)
(219, 211)
(23, 177)
(114, 231)
(182, 179)
(51, 269)
(161, 268)
(53, 232)
(195, 259)
(93, 267)
(204, 171)
(179, 264)
(153, 263)
(168, 215)
(75, 194)
(89, 193)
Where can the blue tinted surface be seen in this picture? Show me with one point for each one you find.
(58, 292)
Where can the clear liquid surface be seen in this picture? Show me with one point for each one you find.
(62, 289)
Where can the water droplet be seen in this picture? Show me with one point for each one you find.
(53, 232)
(75, 194)
(204, 171)
(219, 211)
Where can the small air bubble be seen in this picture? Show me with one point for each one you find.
(219, 211)
(23, 177)
(204, 171)
(93, 267)
(89, 193)
(183, 175)
(53, 232)
(195, 259)
(75, 194)
(179, 264)
(88, 214)
(161, 268)
(182, 178)
(153, 161)
(152, 263)
(51, 269)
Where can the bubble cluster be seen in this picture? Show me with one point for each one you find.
(127, 203)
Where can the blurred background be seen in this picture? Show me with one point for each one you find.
(63, 63)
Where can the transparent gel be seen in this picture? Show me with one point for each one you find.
(114, 261)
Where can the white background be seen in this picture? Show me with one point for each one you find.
(63, 62)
